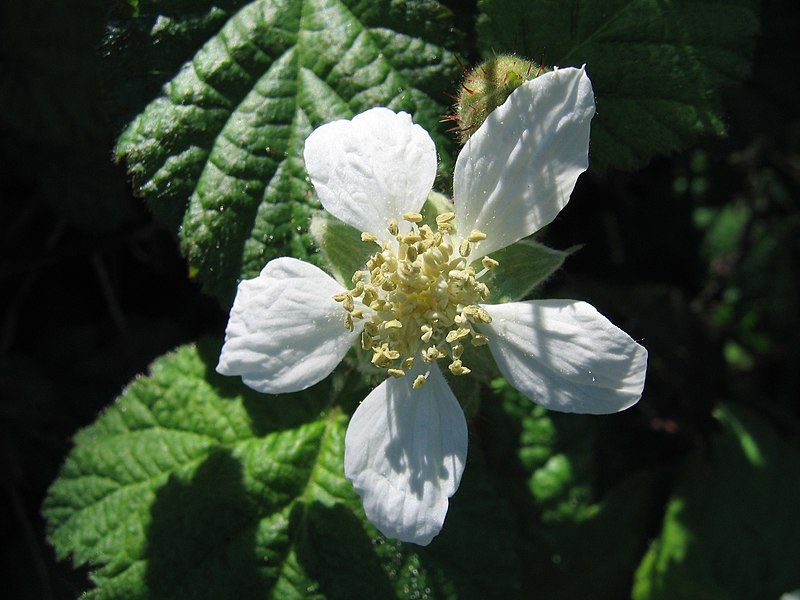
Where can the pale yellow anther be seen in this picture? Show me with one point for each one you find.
(456, 368)
(368, 237)
(464, 249)
(391, 354)
(358, 290)
(456, 334)
(412, 253)
(412, 217)
(388, 285)
(348, 322)
(476, 236)
(479, 340)
(457, 350)
(408, 363)
(483, 316)
(489, 263)
(396, 372)
(411, 238)
(358, 276)
(445, 217)
(418, 382)
(366, 340)
(392, 228)
(459, 275)
(471, 310)
(446, 227)
(370, 296)
(348, 303)
(393, 324)
(340, 297)
(358, 314)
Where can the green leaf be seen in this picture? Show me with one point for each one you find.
(193, 486)
(523, 266)
(578, 522)
(218, 156)
(656, 67)
(731, 527)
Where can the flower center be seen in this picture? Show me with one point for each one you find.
(422, 297)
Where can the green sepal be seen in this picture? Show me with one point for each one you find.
(340, 246)
(523, 266)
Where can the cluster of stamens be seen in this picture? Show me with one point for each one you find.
(419, 297)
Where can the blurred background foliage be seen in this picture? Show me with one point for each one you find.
(693, 493)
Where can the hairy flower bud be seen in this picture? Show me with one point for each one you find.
(487, 86)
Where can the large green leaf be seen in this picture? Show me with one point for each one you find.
(218, 155)
(656, 66)
(193, 486)
(731, 526)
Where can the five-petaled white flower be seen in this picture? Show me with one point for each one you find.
(419, 298)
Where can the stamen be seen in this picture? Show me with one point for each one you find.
(445, 217)
(348, 303)
(368, 237)
(424, 297)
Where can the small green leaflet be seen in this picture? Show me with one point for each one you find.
(731, 526)
(218, 156)
(194, 486)
(656, 67)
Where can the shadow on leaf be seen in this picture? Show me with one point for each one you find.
(336, 553)
(201, 539)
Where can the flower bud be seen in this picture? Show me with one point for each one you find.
(487, 86)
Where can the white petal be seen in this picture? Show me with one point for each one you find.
(372, 168)
(565, 355)
(285, 332)
(404, 453)
(518, 170)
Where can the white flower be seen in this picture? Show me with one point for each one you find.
(420, 298)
